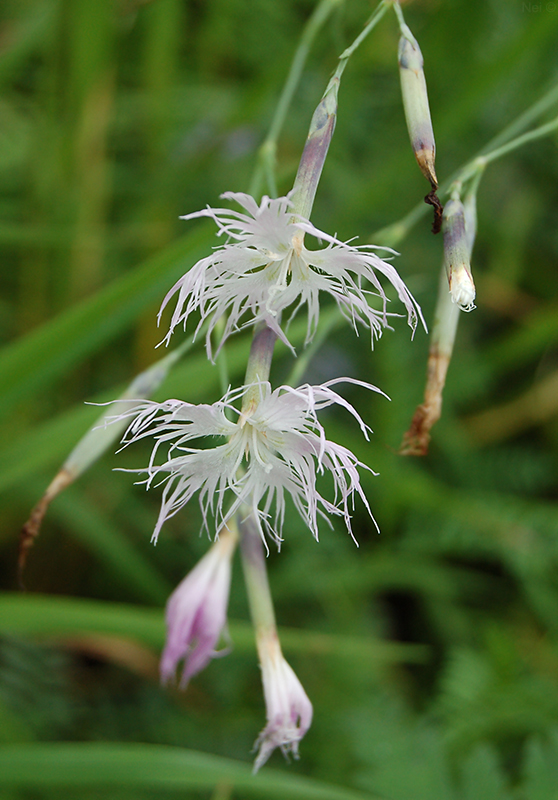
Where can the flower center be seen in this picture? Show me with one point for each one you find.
(281, 282)
(251, 442)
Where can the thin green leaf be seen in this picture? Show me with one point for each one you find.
(41, 615)
(38, 359)
(152, 766)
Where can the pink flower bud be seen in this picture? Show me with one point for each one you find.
(197, 612)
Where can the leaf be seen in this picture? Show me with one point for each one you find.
(44, 615)
(35, 361)
(156, 767)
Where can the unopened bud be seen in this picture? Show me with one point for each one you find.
(415, 103)
(456, 256)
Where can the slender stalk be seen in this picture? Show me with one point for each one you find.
(310, 168)
(257, 584)
(322, 127)
(265, 167)
(446, 318)
(96, 441)
(515, 128)
(372, 22)
(492, 155)
(259, 364)
(266, 156)
(398, 13)
(501, 145)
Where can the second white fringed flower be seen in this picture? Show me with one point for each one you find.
(275, 448)
(264, 268)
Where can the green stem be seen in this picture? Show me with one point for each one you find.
(372, 22)
(522, 122)
(399, 14)
(259, 363)
(322, 127)
(478, 163)
(501, 145)
(310, 169)
(255, 576)
(265, 167)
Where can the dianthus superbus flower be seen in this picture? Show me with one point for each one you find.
(275, 448)
(265, 267)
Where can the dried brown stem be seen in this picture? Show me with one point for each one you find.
(32, 527)
(417, 438)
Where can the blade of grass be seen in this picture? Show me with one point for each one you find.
(35, 361)
(42, 615)
(157, 767)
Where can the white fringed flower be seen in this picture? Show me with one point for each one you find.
(288, 709)
(275, 448)
(264, 268)
(197, 612)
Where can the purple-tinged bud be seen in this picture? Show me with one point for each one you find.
(456, 256)
(197, 612)
(288, 709)
(415, 103)
(315, 151)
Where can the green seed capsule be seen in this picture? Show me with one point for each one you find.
(415, 103)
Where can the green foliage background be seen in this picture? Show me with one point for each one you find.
(431, 651)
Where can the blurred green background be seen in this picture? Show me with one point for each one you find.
(431, 651)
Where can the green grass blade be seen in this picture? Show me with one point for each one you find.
(158, 767)
(37, 360)
(42, 615)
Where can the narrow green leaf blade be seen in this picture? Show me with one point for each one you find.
(45, 615)
(157, 767)
(36, 360)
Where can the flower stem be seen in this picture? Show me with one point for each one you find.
(473, 167)
(322, 127)
(446, 318)
(259, 363)
(372, 22)
(257, 584)
(265, 168)
(509, 139)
